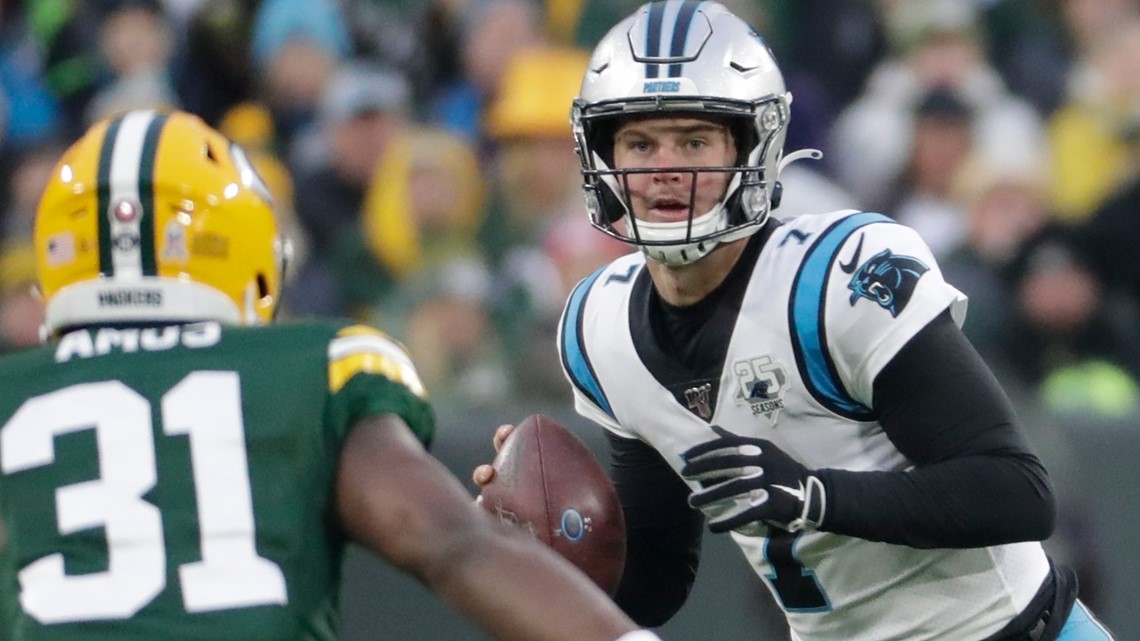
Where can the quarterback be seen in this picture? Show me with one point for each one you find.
(802, 385)
(173, 466)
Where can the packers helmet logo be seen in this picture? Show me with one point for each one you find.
(163, 201)
(887, 279)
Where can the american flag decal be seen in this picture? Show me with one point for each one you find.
(60, 249)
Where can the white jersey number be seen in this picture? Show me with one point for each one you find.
(206, 406)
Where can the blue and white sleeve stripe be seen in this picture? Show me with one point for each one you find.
(806, 318)
(575, 360)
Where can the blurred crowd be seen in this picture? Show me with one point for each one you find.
(420, 156)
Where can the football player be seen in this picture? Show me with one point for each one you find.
(173, 466)
(803, 384)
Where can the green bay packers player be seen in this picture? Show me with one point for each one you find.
(172, 466)
(803, 384)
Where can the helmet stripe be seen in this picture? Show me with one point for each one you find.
(103, 182)
(681, 34)
(124, 210)
(653, 37)
(146, 195)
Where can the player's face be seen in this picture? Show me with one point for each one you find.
(666, 144)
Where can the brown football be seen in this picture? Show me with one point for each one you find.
(549, 483)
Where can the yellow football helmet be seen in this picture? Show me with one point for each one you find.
(156, 216)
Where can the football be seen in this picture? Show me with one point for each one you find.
(549, 483)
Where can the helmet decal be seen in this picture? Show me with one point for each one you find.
(126, 195)
(677, 37)
(653, 39)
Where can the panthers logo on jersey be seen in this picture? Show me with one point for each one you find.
(887, 279)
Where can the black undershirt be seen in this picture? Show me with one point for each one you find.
(975, 482)
(685, 347)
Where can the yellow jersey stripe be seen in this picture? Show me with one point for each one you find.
(363, 350)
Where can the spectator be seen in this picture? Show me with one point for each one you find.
(29, 111)
(937, 45)
(30, 172)
(490, 32)
(412, 264)
(214, 67)
(296, 47)
(21, 311)
(1003, 206)
(536, 192)
(136, 49)
(940, 141)
(422, 212)
(1110, 236)
(1072, 341)
(1090, 135)
(68, 40)
(534, 164)
(362, 110)
(413, 255)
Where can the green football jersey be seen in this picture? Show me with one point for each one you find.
(177, 482)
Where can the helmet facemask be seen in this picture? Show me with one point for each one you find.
(757, 130)
(681, 59)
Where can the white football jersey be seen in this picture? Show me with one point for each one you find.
(831, 299)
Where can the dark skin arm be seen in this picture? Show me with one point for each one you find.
(402, 503)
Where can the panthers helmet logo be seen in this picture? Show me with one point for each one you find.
(887, 279)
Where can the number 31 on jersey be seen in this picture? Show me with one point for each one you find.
(206, 407)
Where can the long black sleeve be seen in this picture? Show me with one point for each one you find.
(975, 481)
(663, 533)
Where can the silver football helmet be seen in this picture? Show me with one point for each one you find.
(684, 58)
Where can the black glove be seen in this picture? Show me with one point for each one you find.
(749, 482)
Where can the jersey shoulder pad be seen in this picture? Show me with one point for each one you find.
(360, 349)
(586, 304)
(865, 287)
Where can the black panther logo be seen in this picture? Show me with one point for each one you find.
(888, 280)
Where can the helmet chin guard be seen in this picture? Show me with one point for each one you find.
(677, 59)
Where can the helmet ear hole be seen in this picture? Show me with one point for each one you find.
(209, 153)
(262, 286)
